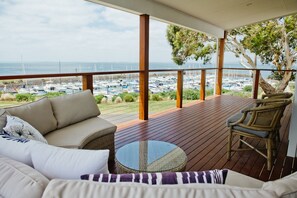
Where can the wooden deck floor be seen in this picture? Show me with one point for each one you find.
(200, 130)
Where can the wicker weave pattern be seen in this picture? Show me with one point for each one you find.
(104, 142)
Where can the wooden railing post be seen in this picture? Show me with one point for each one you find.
(202, 84)
(220, 63)
(179, 89)
(87, 82)
(144, 67)
(256, 76)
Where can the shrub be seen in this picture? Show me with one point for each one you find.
(156, 97)
(135, 95)
(25, 97)
(191, 94)
(225, 91)
(7, 97)
(118, 99)
(172, 95)
(209, 92)
(104, 100)
(122, 95)
(248, 88)
(0, 94)
(129, 98)
(99, 98)
(114, 98)
(54, 94)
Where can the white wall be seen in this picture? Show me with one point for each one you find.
(292, 149)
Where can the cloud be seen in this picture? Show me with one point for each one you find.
(74, 30)
(67, 30)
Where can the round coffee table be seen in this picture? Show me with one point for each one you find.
(150, 156)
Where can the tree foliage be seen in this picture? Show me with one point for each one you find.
(273, 42)
(187, 44)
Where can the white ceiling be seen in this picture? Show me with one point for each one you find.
(209, 16)
(229, 14)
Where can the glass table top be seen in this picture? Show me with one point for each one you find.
(151, 156)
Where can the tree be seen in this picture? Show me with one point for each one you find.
(273, 41)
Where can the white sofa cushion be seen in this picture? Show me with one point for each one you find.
(56, 162)
(20, 128)
(16, 148)
(79, 134)
(70, 109)
(74, 188)
(39, 114)
(20, 180)
(285, 187)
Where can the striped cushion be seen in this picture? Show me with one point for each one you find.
(212, 176)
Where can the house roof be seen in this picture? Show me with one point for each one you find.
(209, 16)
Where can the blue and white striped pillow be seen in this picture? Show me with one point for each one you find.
(165, 178)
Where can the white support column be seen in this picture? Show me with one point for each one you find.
(292, 148)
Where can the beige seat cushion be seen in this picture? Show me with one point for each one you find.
(20, 180)
(39, 114)
(70, 109)
(74, 188)
(79, 134)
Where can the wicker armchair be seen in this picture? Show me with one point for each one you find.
(260, 122)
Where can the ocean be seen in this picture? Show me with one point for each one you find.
(74, 67)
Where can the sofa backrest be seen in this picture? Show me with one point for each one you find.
(3, 118)
(20, 180)
(75, 188)
(39, 114)
(70, 109)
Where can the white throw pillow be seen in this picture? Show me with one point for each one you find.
(63, 163)
(20, 128)
(16, 148)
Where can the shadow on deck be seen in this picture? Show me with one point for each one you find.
(200, 130)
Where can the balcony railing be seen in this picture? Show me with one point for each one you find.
(88, 78)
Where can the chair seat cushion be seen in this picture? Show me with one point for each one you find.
(262, 134)
(236, 117)
(79, 134)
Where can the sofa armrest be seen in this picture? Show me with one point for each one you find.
(236, 179)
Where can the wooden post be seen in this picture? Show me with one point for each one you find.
(143, 67)
(256, 76)
(220, 63)
(202, 84)
(87, 82)
(179, 89)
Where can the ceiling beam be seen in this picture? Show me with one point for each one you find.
(163, 13)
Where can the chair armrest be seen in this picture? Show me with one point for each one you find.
(278, 95)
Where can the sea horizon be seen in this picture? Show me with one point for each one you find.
(48, 67)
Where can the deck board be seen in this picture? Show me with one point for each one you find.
(200, 130)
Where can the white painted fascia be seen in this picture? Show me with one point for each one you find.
(163, 13)
(292, 148)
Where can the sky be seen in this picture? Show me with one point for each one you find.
(73, 31)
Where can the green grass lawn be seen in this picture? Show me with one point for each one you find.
(132, 107)
(9, 103)
(119, 108)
